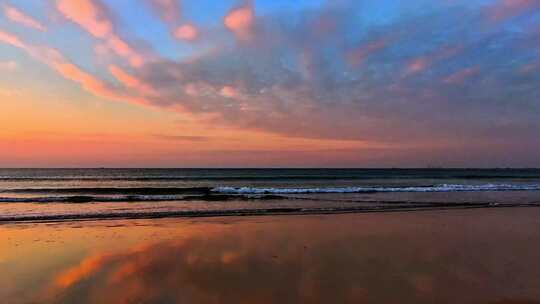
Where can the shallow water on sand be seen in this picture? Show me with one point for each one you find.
(458, 256)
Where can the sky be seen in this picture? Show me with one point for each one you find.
(269, 83)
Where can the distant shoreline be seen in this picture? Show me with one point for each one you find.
(271, 168)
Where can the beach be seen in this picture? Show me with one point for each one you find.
(269, 151)
(438, 256)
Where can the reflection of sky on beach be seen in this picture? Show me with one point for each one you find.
(426, 257)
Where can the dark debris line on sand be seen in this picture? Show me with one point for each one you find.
(207, 197)
(260, 212)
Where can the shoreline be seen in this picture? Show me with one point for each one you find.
(257, 212)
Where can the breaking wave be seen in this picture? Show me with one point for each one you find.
(87, 195)
(434, 188)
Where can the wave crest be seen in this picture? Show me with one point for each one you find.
(435, 188)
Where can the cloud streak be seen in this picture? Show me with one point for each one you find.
(131, 81)
(93, 17)
(15, 15)
(56, 60)
(11, 39)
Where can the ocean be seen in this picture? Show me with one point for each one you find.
(68, 194)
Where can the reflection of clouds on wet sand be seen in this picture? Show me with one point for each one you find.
(466, 256)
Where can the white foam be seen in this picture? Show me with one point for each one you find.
(436, 188)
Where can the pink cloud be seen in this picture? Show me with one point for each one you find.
(131, 81)
(11, 39)
(95, 85)
(530, 67)
(54, 59)
(169, 10)
(123, 49)
(16, 15)
(89, 14)
(241, 20)
(186, 32)
(359, 55)
(417, 65)
(505, 9)
(102, 50)
(461, 75)
(200, 88)
(229, 92)
(92, 16)
(87, 81)
(422, 63)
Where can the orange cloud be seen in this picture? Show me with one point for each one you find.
(95, 85)
(241, 20)
(92, 16)
(87, 81)
(229, 92)
(16, 15)
(186, 32)
(131, 81)
(125, 78)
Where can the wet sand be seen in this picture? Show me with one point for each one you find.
(437, 256)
